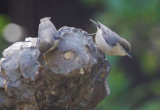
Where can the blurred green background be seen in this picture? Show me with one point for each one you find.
(134, 83)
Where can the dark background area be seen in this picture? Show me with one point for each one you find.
(27, 13)
(134, 83)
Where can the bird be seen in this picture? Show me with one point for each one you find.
(48, 37)
(111, 43)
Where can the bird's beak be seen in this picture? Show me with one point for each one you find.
(97, 24)
(129, 55)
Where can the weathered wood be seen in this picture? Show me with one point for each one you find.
(73, 76)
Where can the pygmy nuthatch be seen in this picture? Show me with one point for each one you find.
(48, 37)
(109, 42)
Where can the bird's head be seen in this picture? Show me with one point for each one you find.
(126, 47)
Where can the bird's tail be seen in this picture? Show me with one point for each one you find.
(97, 24)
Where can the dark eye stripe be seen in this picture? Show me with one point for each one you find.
(125, 48)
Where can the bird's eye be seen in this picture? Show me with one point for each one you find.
(127, 51)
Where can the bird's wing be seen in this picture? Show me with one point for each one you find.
(110, 37)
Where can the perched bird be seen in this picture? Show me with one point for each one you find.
(48, 37)
(109, 42)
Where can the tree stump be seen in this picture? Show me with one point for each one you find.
(72, 77)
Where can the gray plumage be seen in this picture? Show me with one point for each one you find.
(48, 37)
(109, 42)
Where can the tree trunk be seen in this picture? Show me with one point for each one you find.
(71, 77)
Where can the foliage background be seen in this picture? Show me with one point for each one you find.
(134, 83)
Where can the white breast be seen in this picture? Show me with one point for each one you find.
(101, 43)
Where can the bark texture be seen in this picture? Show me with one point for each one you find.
(71, 77)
